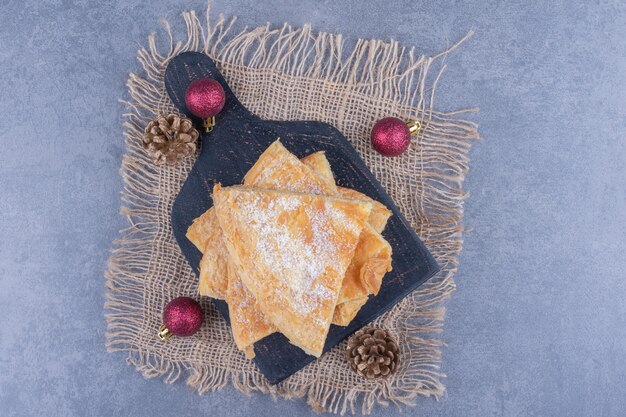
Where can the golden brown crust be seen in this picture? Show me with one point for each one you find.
(248, 323)
(249, 352)
(345, 312)
(205, 233)
(278, 168)
(372, 258)
(370, 263)
(201, 231)
(291, 251)
(319, 164)
(380, 213)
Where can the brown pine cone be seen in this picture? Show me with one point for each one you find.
(169, 139)
(372, 353)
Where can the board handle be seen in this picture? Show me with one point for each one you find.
(186, 67)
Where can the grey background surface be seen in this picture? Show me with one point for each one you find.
(538, 323)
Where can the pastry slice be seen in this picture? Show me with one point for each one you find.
(372, 258)
(206, 235)
(213, 280)
(371, 261)
(279, 169)
(291, 251)
(201, 231)
(276, 168)
(247, 322)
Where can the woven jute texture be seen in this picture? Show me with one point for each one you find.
(291, 74)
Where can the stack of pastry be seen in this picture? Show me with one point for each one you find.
(290, 251)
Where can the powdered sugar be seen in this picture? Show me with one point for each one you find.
(296, 238)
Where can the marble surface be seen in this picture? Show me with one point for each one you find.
(538, 323)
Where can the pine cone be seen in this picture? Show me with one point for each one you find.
(169, 139)
(372, 353)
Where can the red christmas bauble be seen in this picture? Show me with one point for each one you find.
(182, 316)
(391, 136)
(205, 98)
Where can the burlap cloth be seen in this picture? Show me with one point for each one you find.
(291, 74)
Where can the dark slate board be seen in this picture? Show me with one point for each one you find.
(226, 155)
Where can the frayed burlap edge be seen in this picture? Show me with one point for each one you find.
(430, 196)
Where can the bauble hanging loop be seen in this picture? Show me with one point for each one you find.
(391, 136)
(205, 98)
(182, 316)
(414, 126)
